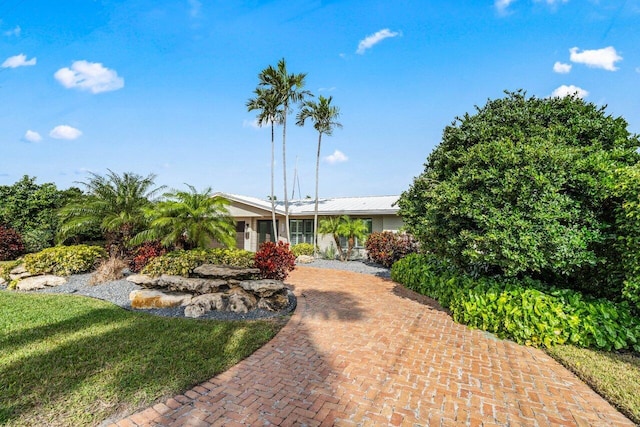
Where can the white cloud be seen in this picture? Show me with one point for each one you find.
(337, 157)
(89, 76)
(15, 32)
(18, 61)
(373, 39)
(561, 68)
(250, 124)
(65, 132)
(32, 136)
(502, 5)
(565, 90)
(604, 58)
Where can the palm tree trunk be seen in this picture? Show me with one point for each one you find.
(284, 168)
(273, 202)
(315, 212)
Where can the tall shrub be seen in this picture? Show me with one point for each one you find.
(11, 245)
(521, 188)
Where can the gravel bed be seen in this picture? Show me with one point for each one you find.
(364, 267)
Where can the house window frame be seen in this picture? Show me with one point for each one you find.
(306, 233)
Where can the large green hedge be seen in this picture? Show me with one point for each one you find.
(524, 310)
(64, 260)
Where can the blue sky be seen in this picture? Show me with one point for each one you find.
(153, 86)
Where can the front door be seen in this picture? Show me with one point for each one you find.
(265, 231)
(240, 226)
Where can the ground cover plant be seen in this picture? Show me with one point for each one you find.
(182, 263)
(77, 361)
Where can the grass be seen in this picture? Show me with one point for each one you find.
(71, 360)
(615, 376)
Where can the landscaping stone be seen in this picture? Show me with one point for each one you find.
(305, 259)
(225, 272)
(203, 303)
(264, 287)
(241, 301)
(19, 272)
(194, 285)
(274, 303)
(39, 282)
(2, 282)
(143, 280)
(152, 298)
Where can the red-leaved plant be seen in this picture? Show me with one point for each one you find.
(11, 244)
(387, 247)
(275, 261)
(145, 253)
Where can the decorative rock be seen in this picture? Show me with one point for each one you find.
(148, 298)
(204, 303)
(274, 303)
(143, 280)
(2, 282)
(19, 272)
(305, 259)
(225, 272)
(39, 282)
(192, 285)
(241, 301)
(263, 288)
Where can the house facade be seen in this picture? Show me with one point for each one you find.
(254, 220)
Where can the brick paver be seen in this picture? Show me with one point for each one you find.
(360, 350)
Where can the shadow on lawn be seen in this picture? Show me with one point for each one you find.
(119, 357)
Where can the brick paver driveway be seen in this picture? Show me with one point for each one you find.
(362, 351)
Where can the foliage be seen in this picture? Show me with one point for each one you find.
(520, 188)
(108, 270)
(187, 220)
(31, 209)
(331, 225)
(11, 245)
(144, 253)
(75, 361)
(613, 375)
(275, 261)
(302, 249)
(329, 252)
(387, 247)
(115, 203)
(64, 260)
(524, 310)
(324, 117)
(6, 267)
(343, 226)
(182, 263)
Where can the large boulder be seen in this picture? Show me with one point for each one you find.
(204, 303)
(241, 301)
(263, 288)
(225, 272)
(193, 285)
(19, 272)
(274, 303)
(39, 282)
(151, 298)
(143, 280)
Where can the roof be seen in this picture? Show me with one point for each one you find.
(367, 205)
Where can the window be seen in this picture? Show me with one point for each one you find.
(301, 231)
(368, 222)
(265, 231)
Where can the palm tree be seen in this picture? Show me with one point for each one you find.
(287, 89)
(269, 112)
(189, 219)
(324, 116)
(352, 229)
(331, 225)
(114, 203)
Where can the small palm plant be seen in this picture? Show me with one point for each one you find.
(352, 229)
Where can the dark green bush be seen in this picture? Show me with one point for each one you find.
(64, 260)
(521, 188)
(525, 310)
(182, 263)
(302, 249)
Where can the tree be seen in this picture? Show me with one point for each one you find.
(115, 203)
(352, 229)
(188, 219)
(521, 188)
(331, 225)
(269, 112)
(286, 89)
(324, 116)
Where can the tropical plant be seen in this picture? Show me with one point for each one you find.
(115, 203)
(11, 245)
(275, 260)
(303, 249)
(286, 89)
(522, 188)
(187, 220)
(324, 116)
(331, 225)
(64, 260)
(269, 113)
(352, 229)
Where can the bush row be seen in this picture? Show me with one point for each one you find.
(64, 260)
(525, 310)
(182, 263)
(302, 249)
(387, 247)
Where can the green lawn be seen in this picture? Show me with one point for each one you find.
(71, 360)
(615, 376)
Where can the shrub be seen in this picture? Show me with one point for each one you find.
(6, 268)
(64, 260)
(37, 239)
(108, 270)
(525, 310)
(302, 249)
(182, 263)
(145, 253)
(275, 261)
(520, 188)
(11, 245)
(387, 247)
